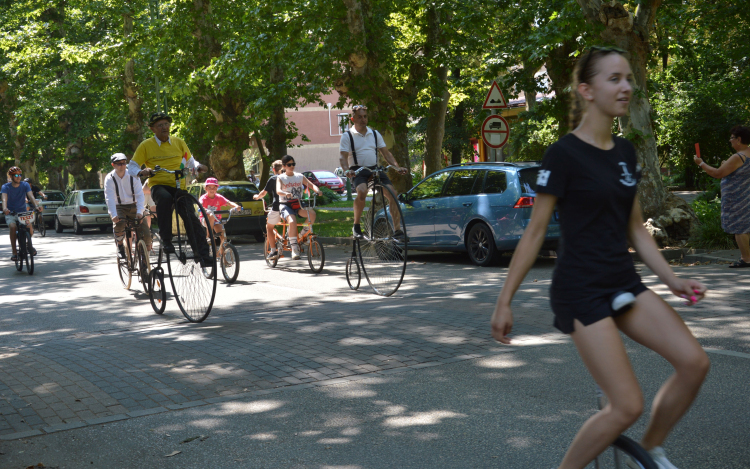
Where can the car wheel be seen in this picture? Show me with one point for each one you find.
(77, 228)
(481, 245)
(58, 225)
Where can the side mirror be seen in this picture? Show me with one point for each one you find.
(403, 198)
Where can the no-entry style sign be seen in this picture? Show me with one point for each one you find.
(495, 131)
(495, 98)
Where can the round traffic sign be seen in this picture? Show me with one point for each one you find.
(495, 131)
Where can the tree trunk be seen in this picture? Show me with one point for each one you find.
(632, 33)
(276, 144)
(134, 129)
(439, 94)
(559, 66)
(229, 143)
(83, 177)
(265, 161)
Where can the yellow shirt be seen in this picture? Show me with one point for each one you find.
(167, 155)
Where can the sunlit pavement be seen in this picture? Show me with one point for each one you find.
(295, 370)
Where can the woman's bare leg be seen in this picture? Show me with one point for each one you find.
(603, 352)
(654, 324)
(743, 242)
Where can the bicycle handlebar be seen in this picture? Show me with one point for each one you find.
(377, 169)
(228, 213)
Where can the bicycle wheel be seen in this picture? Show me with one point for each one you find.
(230, 263)
(382, 256)
(266, 250)
(41, 226)
(625, 453)
(316, 255)
(194, 289)
(155, 255)
(144, 264)
(20, 250)
(157, 293)
(29, 256)
(353, 274)
(123, 269)
(210, 271)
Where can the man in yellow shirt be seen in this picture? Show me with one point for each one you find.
(170, 153)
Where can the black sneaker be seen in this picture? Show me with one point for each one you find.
(167, 247)
(398, 234)
(121, 251)
(357, 232)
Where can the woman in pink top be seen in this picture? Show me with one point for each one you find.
(212, 199)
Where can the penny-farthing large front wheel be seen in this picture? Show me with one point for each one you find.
(194, 291)
(382, 251)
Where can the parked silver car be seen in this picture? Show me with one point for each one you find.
(83, 209)
(53, 201)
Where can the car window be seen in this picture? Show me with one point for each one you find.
(55, 196)
(479, 182)
(324, 174)
(495, 183)
(238, 193)
(93, 198)
(527, 178)
(460, 183)
(307, 174)
(71, 197)
(430, 187)
(195, 191)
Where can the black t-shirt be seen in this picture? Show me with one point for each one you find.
(271, 189)
(595, 190)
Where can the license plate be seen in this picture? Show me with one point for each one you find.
(102, 219)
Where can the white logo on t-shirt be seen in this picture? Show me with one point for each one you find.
(627, 178)
(542, 177)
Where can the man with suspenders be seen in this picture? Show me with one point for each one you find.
(125, 199)
(358, 148)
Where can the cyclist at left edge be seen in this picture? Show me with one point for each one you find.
(171, 153)
(14, 195)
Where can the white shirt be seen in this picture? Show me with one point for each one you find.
(367, 154)
(291, 184)
(126, 194)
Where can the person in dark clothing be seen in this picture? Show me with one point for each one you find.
(591, 176)
(274, 216)
(36, 190)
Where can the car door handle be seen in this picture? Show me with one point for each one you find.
(468, 204)
(431, 206)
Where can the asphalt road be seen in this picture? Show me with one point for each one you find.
(354, 380)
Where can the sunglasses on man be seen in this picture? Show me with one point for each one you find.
(16, 175)
(120, 163)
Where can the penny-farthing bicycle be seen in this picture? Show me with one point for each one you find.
(381, 253)
(192, 279)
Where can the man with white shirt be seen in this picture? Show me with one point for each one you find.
(168, 152)
(125, 200)
(359, 147)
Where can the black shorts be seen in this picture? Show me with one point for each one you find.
(365, 174)
(589, 310)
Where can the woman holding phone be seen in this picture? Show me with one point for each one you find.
(734, 173)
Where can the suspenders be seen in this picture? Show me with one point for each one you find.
(117, 188)
(354, 152)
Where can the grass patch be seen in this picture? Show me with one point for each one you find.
(334, 223)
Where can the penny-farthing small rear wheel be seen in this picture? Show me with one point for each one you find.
(157, 292)
(353, 273)
(192, 283)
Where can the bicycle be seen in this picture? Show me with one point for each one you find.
(229, 258)
(626, 453)
(380, 254)
(192, 279)
(40, 226)
(136, 260)
(24, 247)
(308, 242)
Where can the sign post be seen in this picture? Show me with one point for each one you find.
(495, 129)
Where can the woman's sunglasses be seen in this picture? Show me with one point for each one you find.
(291, 164)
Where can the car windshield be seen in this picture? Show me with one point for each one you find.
(238, 192)
(92, 198)
(527, 178)
(55, 196)
(324, 174)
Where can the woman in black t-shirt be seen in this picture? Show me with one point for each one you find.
(596, 293)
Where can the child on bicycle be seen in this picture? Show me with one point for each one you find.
(274, 217)
(290, 186)
(213, 199)
(591, 176)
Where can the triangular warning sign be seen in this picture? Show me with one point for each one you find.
(495, 98)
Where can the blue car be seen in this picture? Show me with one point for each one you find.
(480, 208)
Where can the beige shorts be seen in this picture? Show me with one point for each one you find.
(274, 217)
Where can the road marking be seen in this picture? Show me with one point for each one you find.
(731, 353)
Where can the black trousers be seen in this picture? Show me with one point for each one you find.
(164, 197)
